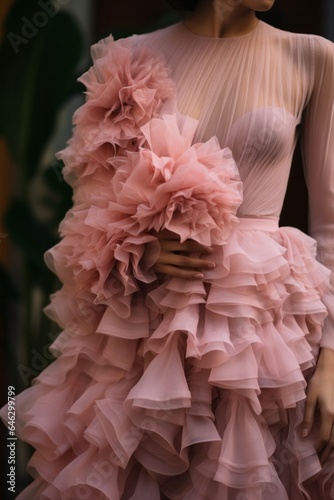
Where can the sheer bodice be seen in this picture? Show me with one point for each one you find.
(255, 93)
(251, 92)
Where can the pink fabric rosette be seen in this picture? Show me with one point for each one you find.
(191, 189)
(126, 87)
(100, 264)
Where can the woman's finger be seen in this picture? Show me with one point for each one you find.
(171, 241)
(184, 261)
(309, 412)
(327, 450)
(181, 266)
(177, 272)
(325, 433)
(188, 246)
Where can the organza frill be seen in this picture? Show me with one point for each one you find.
(195, 388)
(192, 388)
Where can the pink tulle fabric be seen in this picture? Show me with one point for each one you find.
(126, 87)
(192, 190)
(190, 388)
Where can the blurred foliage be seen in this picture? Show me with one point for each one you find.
(37, 76)
(38, 60)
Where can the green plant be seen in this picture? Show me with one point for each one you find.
(38, 61)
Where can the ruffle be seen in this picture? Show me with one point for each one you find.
(194, 389)
(193, 190)
(127, 86)
(197, 391)
(101, 266)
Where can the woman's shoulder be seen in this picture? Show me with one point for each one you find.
(149, 40)
(306, 44)
(163, 41)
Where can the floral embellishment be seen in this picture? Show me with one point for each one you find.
(191, 189)
(127, 86)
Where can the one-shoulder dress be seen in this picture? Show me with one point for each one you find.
(169, 388)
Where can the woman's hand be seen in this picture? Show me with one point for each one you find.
(181, 260)
(320, 396)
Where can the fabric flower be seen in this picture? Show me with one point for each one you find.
(192, 190)
(126, 87)
(97, 261)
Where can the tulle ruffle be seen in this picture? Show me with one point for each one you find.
(127, 86)
(197, 390)
(194, 389)
(193, 190)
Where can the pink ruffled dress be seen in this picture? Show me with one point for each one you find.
(179, 389)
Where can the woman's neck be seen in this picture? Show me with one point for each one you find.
(218, 19)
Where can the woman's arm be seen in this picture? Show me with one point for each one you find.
(320, 394)
(318, 153)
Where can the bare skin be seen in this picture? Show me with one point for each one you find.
(177, 259)
(226, 18)
(216, 18)
(320, 397)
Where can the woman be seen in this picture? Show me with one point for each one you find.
(187, 345)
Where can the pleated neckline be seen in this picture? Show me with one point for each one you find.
(209, 39)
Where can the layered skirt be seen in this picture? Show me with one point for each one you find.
(195, 391)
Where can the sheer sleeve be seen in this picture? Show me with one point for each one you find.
(318, 155)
